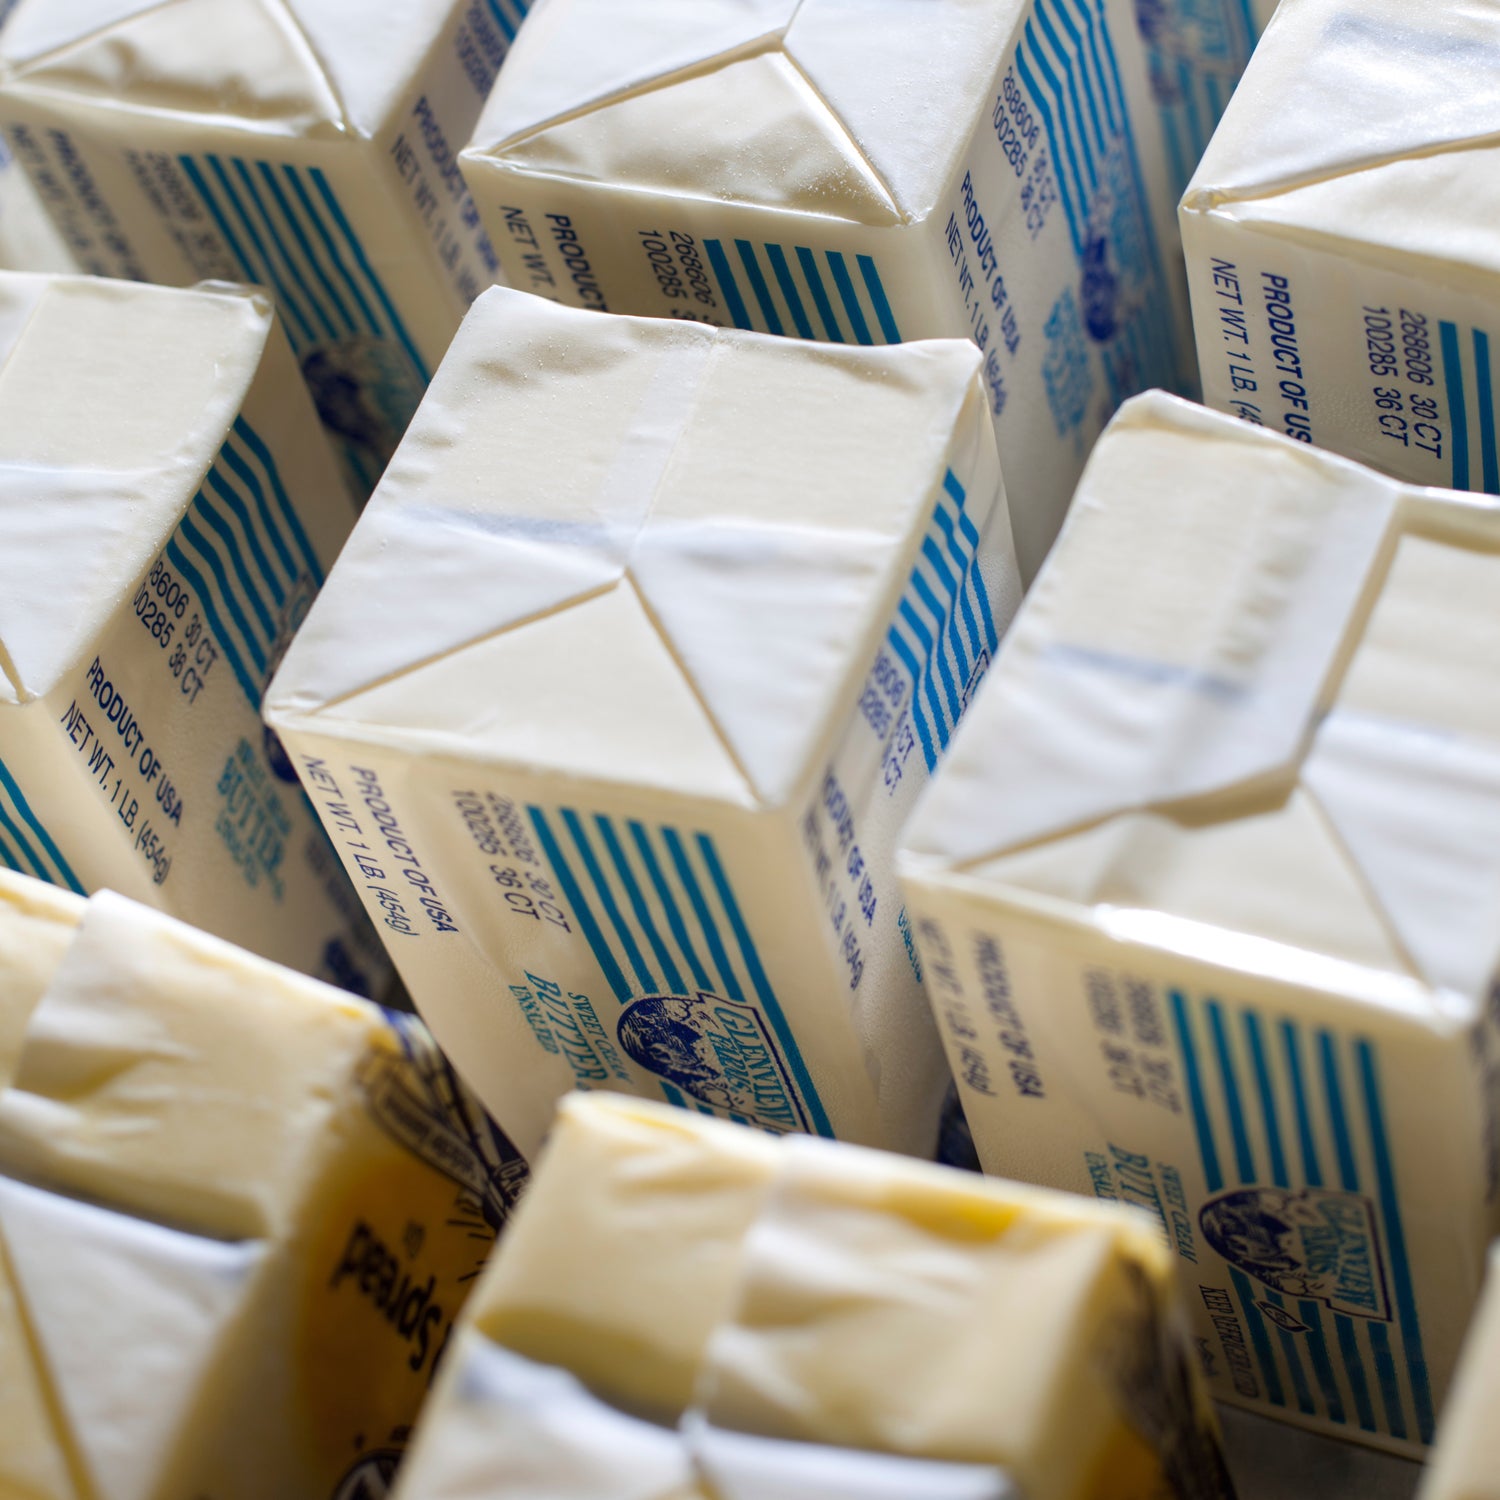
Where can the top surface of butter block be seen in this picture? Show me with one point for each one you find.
(1248, 713)
(707, 527)
(1340, 95)
(172, 1076)
(797, 73)
(161, 374)
(288, 67)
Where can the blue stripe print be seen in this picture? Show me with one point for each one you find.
(728, 287)
(1390, 1210)
(1069, 96)
(631, 889)
(1484, 389)
(759, 287)
(850, 298)
(809, 264)
(1338, 1121)
(955, 492)
(267, 463)
(793, 298)
(876, 288)
(1208, 1150)
(1069, 192)
(1260, 1340)
(28, 832)
(1458, 403)
(1354, 1368)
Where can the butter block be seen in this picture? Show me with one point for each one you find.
(812, 1319)
(862, 171)
(1208, 900)
(240, 1212)
(29, 241)
(1466, 1462)
(1345, 282)
(170, 508)
(680, 620)
(306, 146)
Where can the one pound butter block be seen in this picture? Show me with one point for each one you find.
(800, 1317)
(1208, 900)
(861, 171)
(1344, 274)
(1466, 1462)
(679, 622)
(240, 1214)
(170, 507)
(306, 146)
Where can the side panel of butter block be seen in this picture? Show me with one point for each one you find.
(146, 767)
(370, 244)
(563, 934)
(29, 240)
(1317, 1165)
(1052, 247)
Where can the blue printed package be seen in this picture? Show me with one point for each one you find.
(240, 1213)
(306, 146)
(1208, 897)
(170, 508)
(679, 622)
(1340, 238)
(862, 171)
(1196, 51)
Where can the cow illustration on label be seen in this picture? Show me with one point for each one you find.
(1316, 1243)
(719, 1052)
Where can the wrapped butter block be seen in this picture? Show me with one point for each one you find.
(307, 146)
(862, 171)
(809, 1318)
(1466, 1462)
(1345, 283)
(239, 1216)
(1208, 900)
(617, 750)
(170, 509)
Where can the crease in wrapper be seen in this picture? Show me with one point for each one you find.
(1209, 896)
(862, 172)
(306, 146)
(686, 617)
(225, 1265)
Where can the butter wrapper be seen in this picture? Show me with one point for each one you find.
(1345, 281)
(621, 690)
(306, 146)
(170, 508)
(803, 1318)
(1208, 901)
(239, 1215)
(860, 171)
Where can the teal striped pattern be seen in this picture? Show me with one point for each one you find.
(944, 632)
(803, 294)
(242, 550)
(1281, 1105)
(661, 917)
(1469, 385)
(25, 844)
(1066, 59)
(508, 15)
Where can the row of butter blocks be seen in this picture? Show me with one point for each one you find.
(241, 1213)
(1009, 174)
(1005, 171)
(623, 690)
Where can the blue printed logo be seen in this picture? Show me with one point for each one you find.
(365, 390)
(372, 1478)
(717, 1051)
(1101, 292)
(1318, 1244)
